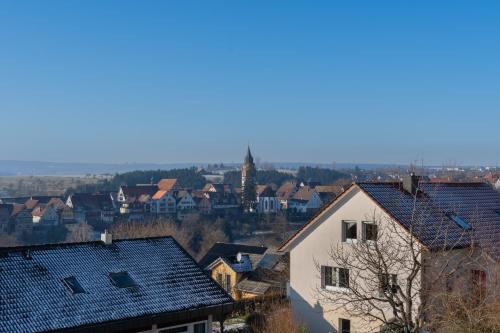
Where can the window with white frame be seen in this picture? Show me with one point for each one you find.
(370, 230)
(349, 231)
(334, 277)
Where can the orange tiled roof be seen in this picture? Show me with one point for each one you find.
(167, 184)
(158, 195)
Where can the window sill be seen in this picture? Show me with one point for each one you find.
(337, 289)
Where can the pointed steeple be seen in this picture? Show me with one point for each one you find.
(249, 157)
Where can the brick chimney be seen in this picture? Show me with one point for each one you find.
(106, 237)
(411, 183)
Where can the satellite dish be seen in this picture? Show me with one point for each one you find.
(238, 257)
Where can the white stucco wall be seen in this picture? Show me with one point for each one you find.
(313, 246)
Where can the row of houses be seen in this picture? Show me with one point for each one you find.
(153, 285)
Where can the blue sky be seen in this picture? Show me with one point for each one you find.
(306, 81)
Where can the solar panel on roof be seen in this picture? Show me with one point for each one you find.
(73, 285)
(122, 280)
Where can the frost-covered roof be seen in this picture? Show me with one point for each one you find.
(33, 297)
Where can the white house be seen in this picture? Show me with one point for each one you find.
(267, 202)
(163, 202)
(349, 220)
(306, 200)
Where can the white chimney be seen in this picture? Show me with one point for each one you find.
(238, 257)
(106, 237)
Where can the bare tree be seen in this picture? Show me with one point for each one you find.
(390, 276)
(81, 233)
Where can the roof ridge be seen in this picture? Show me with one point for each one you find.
(49, 246)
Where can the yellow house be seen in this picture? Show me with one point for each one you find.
(237, 276)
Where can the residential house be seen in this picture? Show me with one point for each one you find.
(328, 192)
(45, 215)
(163, 203)
(448, 211)
(247, 271)
(285, 193)
(92, 208)
(220, 203)
(146, 285)
(305, 200)
(135, 200)
(21, 221)
(218, 187)
(267, 202)
(185, 203)
(5, 213)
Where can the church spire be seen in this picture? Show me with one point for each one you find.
(249, 157)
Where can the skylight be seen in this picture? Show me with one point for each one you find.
(460, 221)
(122, 280)
(73, 285)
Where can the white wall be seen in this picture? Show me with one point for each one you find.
(313, 246)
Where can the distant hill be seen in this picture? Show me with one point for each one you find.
(36, 168)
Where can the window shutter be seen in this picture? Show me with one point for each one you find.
(334, 276)
(323, 277)
(344, 231)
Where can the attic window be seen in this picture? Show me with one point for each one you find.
(73, 285)
(460, 221)
(122, 280)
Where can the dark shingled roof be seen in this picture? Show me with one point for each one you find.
(35, 299)
(478, 204)
(228, 250)
(475, 203)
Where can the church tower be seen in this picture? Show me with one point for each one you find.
(248, 182)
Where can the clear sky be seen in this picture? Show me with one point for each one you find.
(315, 81)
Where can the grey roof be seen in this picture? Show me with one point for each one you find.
(269, 260)
(34, 299)
(228, 250)
(251, 286)
(475, 203)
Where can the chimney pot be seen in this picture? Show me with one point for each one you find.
(106, 237)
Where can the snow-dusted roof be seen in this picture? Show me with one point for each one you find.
(165, 280)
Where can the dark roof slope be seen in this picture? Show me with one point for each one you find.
(34, 299)
(228, 250)
(474, 203)
(137, 190)
(91, 202)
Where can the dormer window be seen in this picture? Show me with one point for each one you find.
(349, 231)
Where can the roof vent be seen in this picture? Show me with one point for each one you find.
(238, 257)
(411, 183)
(27, 254)
(106, 238)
